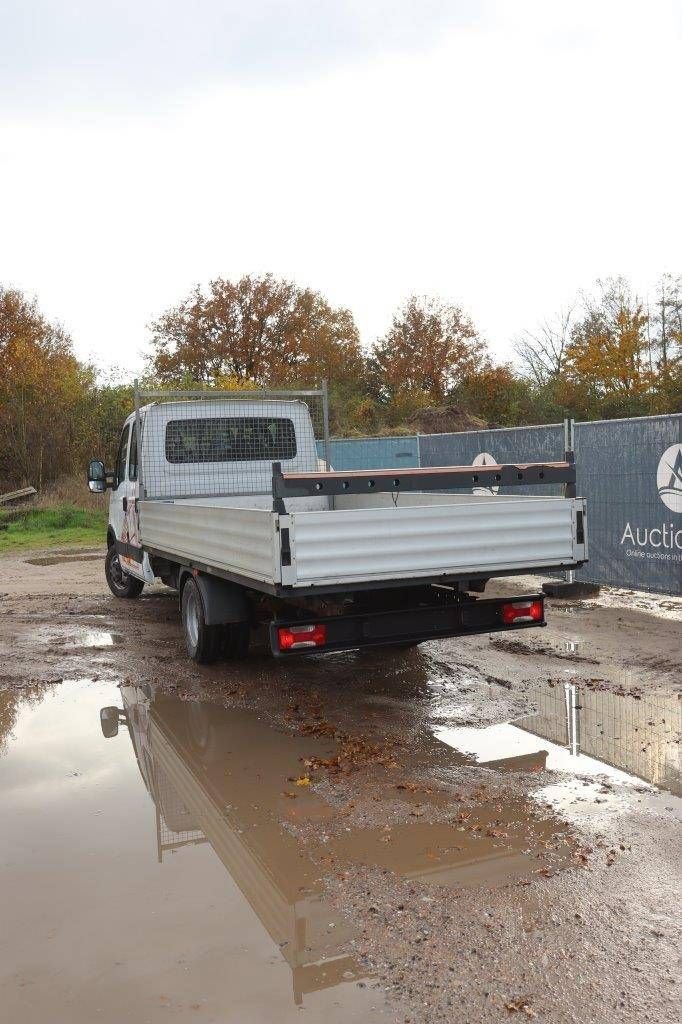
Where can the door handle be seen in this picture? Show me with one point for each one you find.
(125, 504)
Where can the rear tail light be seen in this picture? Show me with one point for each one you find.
(293, 637)
(522, 611)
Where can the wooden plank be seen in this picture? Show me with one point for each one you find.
(10, 496)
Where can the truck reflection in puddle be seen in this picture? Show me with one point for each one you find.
(223, 777)
(214, 780)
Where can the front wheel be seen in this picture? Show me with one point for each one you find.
(121, 584)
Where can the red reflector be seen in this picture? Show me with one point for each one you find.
(522, 611)
(291, 637)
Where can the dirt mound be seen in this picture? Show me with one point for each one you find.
(445, 419)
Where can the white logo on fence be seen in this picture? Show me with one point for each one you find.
(669, 477)
(485, 459)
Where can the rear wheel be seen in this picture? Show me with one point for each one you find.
(121, 584)
(206, 643)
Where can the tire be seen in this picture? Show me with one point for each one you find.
(210, 643)
(121, 584)
(203, 642)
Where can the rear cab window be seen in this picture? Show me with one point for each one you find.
(230, 439)
(132, 458)
(122, 456)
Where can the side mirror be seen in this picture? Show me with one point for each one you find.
(108, 719)
(97, 477)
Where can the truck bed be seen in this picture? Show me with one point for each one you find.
(368, 539)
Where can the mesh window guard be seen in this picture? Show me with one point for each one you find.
(202, 444)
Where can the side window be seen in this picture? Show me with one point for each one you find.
(122, 456)
(132, 458)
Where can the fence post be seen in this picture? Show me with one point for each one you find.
(325, 427)
(571, 694)
(569, 574)
(138, 441)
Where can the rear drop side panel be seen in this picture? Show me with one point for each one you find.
(452, 539)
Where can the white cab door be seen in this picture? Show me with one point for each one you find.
(131, 515)
(119, 491)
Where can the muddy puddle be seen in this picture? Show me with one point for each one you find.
(146, 875)
(63, 559)
(73, 637)
(153, 865)
(490, 846)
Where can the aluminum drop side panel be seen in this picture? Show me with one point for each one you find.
(386, 543)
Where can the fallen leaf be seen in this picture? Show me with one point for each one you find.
(520, 1005)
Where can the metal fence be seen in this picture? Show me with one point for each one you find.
(372, 452)
(629, 470)
(631, 473)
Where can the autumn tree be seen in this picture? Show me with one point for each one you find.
(430, 347)
(501, 396)
(607, 370)
(256, 330)
(41, 389)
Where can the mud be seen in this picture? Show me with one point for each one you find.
(471, 830)
(63, 559)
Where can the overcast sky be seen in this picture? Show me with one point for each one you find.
(502, 155)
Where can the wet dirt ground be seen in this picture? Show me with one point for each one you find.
(475, 830)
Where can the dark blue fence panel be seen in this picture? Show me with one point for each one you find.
(372, 452)
(513, 444)
(630, 471)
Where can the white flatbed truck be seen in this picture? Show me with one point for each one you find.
(226, 499)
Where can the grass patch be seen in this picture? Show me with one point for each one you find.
(46, 527)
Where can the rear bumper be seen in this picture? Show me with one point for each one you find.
(407, 625)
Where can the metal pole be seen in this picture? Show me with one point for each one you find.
(138, 440)
(569, 574)
(571, 717)
(325, 427)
